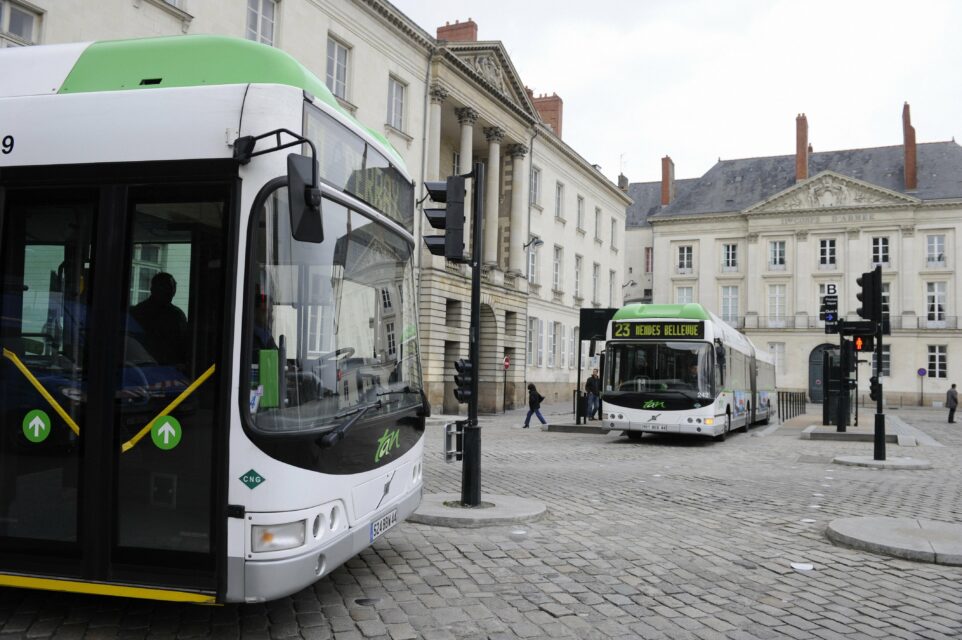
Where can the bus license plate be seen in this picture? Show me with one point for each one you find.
(378, 527)
(656, 427)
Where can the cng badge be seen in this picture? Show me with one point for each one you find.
(252, 479)
(166, 432)
(36, 425)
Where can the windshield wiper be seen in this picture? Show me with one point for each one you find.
(331, 438)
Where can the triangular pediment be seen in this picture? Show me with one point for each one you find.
(830, 190)
(488, 62)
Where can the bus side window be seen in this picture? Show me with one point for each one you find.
(719, 366)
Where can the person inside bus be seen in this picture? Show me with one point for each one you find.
(534, 405)
(163, 324)
(691, 377)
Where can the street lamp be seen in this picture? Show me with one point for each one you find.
(629, 284)
(534, 243)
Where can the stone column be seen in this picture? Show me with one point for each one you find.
(466, 118)
(802, 279)
(518, 235)
(438, 96)
(492, 195)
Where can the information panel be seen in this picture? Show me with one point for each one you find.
(667, 330)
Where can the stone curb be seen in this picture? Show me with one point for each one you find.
(900, 464)
(503, 510)
(908, 538)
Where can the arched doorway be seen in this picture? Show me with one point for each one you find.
(490, 374)
(816, 383)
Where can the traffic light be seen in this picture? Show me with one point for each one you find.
(463, 380)
(870, 295)
(864, 342)
(848, 357)
(451, 193)
(874, 388)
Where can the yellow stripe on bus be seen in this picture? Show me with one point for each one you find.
(127, 446)
(12, 357)
(101, 589)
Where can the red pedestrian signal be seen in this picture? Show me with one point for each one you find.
(858, 343)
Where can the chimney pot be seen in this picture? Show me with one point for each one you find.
(911, 152)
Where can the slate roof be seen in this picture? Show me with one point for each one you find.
(734, 185)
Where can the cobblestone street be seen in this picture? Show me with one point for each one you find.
(663, 538)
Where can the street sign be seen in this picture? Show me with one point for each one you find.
(923, 372)
(36, 425)
(507, 363)
(166, 432)
(856, 327)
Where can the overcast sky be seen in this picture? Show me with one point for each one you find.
(703, 79)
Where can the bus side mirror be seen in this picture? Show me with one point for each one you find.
(304, 196)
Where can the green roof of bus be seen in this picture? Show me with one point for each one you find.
(194, 61)
(651, 311)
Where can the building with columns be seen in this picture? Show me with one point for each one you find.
(553, 224)
(760, 241)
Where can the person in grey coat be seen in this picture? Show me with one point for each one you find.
(952, 401)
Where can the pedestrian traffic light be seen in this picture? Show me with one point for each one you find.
(449, 192)
(463, 380)
(874, 388)
(864, 343)
(848, 357)
(871, 295)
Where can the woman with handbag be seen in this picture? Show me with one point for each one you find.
(534, 405)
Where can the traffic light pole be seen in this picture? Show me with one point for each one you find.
(879, 405)
(471, 461)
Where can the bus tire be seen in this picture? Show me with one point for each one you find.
(634, 436)
(728, 425)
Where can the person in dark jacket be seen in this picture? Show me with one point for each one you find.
(534, 405)
(952, 402)
(593, 391)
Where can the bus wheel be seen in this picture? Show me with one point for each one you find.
(634, 436)
(728, 425)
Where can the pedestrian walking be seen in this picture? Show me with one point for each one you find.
(593, 389)
(952, 401)
(534, 405)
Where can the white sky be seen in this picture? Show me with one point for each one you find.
(703, 79)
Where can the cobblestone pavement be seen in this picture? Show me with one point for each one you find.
(664, 538)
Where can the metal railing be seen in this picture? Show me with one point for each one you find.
(790, 404)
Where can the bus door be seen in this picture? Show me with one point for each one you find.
(112, 412)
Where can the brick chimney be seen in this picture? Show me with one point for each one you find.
(802, 148)
(667, 180)
(459, 31)
(623, 182)
(911, 153)
(550, 108)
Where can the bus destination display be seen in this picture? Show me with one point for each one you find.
(658, 330)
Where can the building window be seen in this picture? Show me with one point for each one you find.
(556, 270)
(391, 340)
(646, 296)
(559, 201)
(532, 336)
(886, 297)
(598, 224)
(18, 25)
(886, 360)
(648, 259)
(337, 68)
(685, 258)
(581, 213)
(935, 299)
(552, 342)
(938, 365)
(534, 189)
(826, 252)
(386, 299)
(730, 305)
(261, 17)
(612, 281)
(614, 233)
(880, 251)
(776, 255)
(776, 302)
(395, 103)
(730, 257)
(578, 262)
(777, 349)
(532, 263)
(935, 250)
(595, 277)
(455, 164)
(683, 295)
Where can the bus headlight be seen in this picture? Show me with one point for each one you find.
(277, 537)
(709, 421)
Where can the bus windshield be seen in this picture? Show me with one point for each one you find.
(334, 323)
(660, 366)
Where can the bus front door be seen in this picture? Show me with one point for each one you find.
(112, 411)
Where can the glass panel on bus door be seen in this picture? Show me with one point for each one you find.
(46, 258)
(167, 393)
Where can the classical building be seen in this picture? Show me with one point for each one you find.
(553, 224)
(762, 240)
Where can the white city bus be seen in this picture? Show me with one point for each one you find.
(210, 386)
(677, 368)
